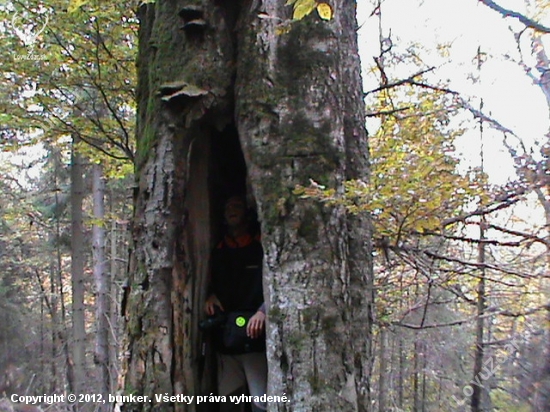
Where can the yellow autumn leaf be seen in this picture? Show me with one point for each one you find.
(74, 5)
(282, 29)
(302, 8)
(325, 11)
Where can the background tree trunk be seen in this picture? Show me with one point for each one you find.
(382, 359)
(414, 378)
(116, 271)
(102, 282)
(476, 403)
(77, 271)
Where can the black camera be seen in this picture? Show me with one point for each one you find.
(215, 321)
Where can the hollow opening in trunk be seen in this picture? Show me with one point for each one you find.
(227, 174)
(216, 171)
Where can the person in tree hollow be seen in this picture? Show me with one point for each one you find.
(236, 291)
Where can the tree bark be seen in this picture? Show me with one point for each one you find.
(382, 390)
(57, 288)
(77, 272)
(115, 271)
(297, 104)
(164, 296)
(102, 283)
(415, 371)
(300, 117)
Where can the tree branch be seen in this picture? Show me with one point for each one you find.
(432, 326)
(511, 314)
(388, 112)
(476, 265)
(510, 13)
(408, 80)
(504, 203)
(527, 236)
(471, 240)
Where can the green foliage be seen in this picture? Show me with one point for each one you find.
(503, 401)
(74, 5)
(76, 79)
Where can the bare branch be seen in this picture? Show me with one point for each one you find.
(513, 198)
(388, 112)
(527, 236)
(511, 314)
(471, 240)
(432, 326)
(408, 80)
(477, 265)
(522, 18)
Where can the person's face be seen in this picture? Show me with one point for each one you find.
(234, 212)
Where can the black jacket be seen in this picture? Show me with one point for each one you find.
(237, 273)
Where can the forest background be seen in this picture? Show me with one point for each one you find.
(461, 247)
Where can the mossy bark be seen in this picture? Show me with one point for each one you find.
(317, 263)
(171, 234)
(297, 103)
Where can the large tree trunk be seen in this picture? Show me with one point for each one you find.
(171, 227)
(295, 99)
(300, 117)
